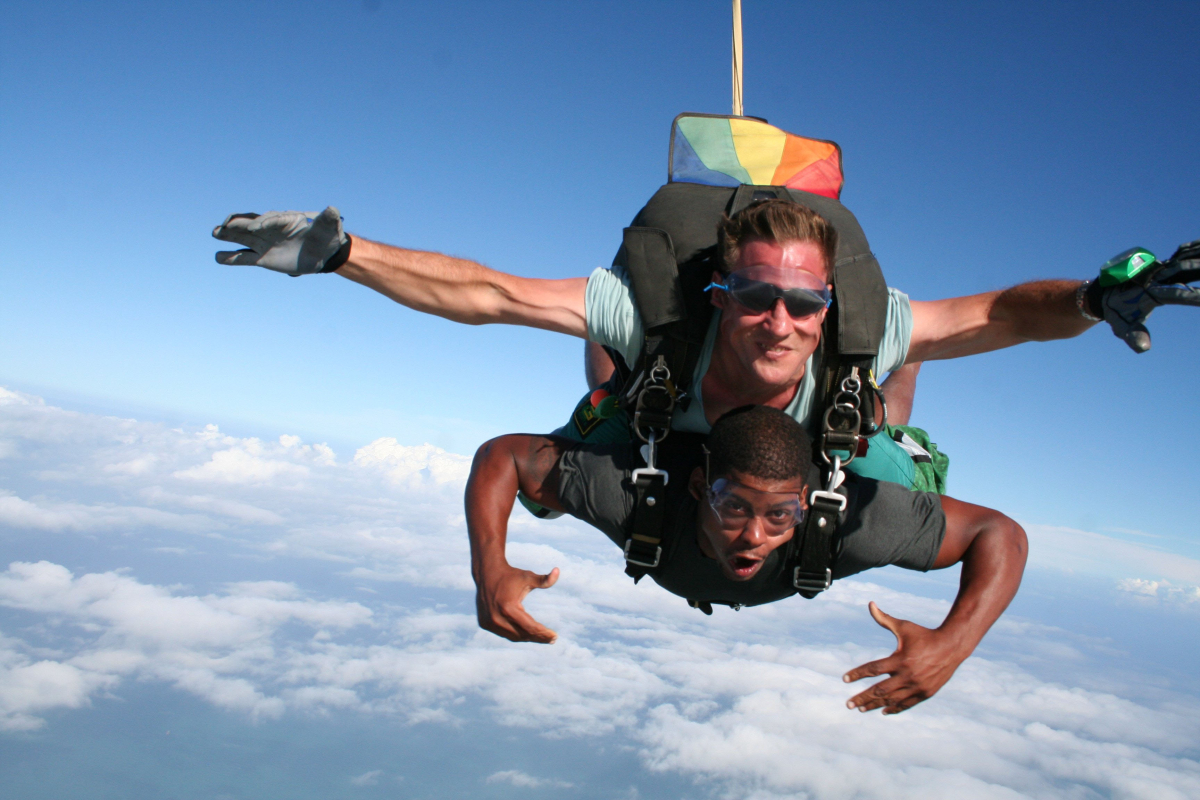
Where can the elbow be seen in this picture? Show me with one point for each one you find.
(1019, 542)
(1010, 540)
(492, 449)
(484, 464)
(1001, 544)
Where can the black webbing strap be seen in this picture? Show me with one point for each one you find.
(746, 194)
(643, 549)
(654, 274)
(649, 256)
(813, 572)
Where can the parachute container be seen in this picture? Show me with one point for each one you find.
(719, 150)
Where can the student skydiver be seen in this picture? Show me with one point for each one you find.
(732, 506)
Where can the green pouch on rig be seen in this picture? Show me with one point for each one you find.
(932, 465)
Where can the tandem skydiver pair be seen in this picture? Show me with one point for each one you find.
(683, 359)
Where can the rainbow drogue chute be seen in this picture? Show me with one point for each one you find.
(730, 151)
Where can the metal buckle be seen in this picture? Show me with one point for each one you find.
(640, 471)
(820, 494)
(646, 564)
(812, 581)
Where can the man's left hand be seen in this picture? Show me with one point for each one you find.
(922, 663)
(1126, 305)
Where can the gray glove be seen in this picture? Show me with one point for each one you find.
(293, 242)
(1134, 283)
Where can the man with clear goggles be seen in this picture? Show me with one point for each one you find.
(725, 530)
(737, 505)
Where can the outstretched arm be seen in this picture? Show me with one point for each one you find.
(1129, 287)
(464, 291)
(301, 243)
(992, 549)
(501, 466)
(962, 326)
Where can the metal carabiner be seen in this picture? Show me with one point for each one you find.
(836, 476)
(651, 455)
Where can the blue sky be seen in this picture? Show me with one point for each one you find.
(983, 145)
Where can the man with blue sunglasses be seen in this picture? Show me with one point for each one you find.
(753, 353)
(729, 514)
(759, 288)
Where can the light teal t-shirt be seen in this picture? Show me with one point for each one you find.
(613, 320)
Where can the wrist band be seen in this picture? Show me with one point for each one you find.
(343, 255)
(1081, 302)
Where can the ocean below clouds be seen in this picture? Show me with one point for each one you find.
(189, 614)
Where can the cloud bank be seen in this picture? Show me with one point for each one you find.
(748, 704)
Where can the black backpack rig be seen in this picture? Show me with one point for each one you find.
(718, 166)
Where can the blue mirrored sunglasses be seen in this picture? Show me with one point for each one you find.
(760, 296)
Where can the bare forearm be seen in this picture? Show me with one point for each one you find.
(465, 291)
(491, 490)
(992, 567)
(501, 467)
(1038, 311)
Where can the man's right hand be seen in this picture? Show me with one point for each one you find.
(291, 242)
(498, 604)
(923, 661)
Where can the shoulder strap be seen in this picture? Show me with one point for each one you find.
(840, 442)
(650, 543)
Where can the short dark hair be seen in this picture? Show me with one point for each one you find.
(763, 442)
(780, 221)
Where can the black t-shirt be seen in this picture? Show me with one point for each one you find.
(884, 523)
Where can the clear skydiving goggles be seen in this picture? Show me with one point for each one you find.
(731, 502)
(758, 287)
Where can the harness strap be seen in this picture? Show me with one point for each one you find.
(643, 548)
(813, 572)
(654, 274)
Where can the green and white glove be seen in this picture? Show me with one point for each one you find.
(292, 242)
(1133, 284)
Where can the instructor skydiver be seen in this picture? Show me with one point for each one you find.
(756, 352)
(731, 508)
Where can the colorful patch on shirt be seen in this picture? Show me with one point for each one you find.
(585, 419)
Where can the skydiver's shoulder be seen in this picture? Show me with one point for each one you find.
(886, 523)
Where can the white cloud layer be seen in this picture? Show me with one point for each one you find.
(370, 778)
(750, 704)
(1070, 549)
(523, 781)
